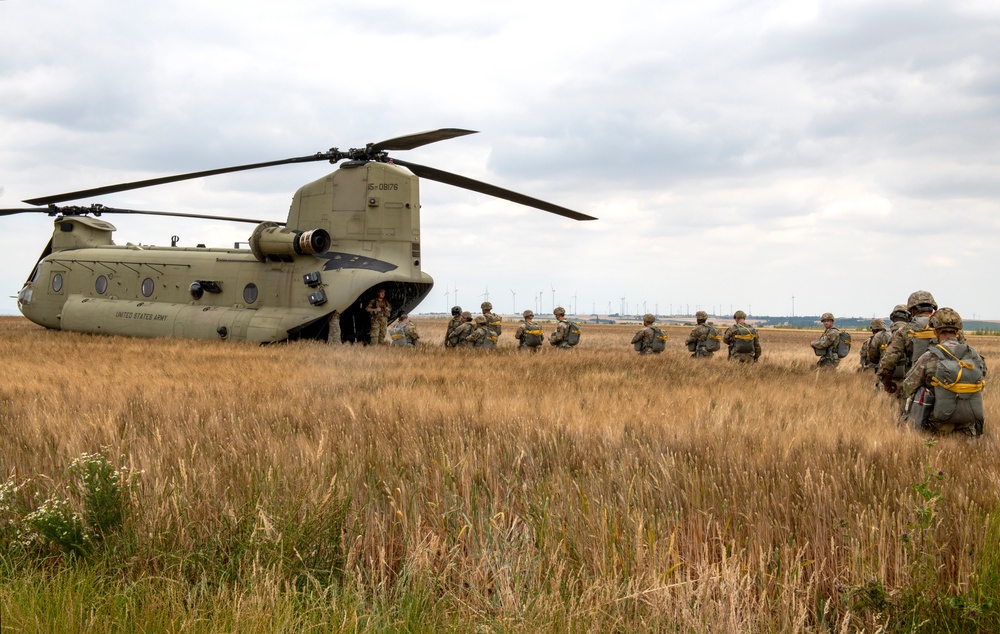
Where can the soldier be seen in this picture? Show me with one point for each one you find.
(379, 309)
(704, 339)
(650, 339)
(742, 339)
(493, 325)
(826, 346)
(453, 323)
(529, 334)
(461, 333)
(567, 333)
(877, 326)
(403, 333)
(910, 341)
(944, 387)
(480, 334)
(899, 317)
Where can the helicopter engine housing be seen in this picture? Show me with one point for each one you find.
(270, 241)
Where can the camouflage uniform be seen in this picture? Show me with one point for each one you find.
(494, 324)
(560, 338)
(404, 333)
(379, 309)
(827, 343)
(643, 340)
(900, 350)
(528, 333)
(877, 327)
(479, 335)
(925, 374)
(740, 331)
(698, 337)
(453, 323)
(463, 331)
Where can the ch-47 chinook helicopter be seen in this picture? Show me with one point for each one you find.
(348, 235)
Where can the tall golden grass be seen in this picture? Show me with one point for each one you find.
(583, 490)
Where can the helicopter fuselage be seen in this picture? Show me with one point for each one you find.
(348, 235)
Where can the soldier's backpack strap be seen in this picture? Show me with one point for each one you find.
(958, 387)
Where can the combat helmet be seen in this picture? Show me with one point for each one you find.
(739, 315)
(918, 298)
(481, 320)
(701, 316)
(877, 325)
(466, 315)
(946, 319)
(827, 317)
(558, 310)
(486, 306)
(900, 313)
(648, 318)
(528, 314)
(456, 311)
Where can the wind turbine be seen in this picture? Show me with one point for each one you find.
(553, 296)
(447, 296)
(513, 301)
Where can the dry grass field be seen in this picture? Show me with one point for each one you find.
(306, 487)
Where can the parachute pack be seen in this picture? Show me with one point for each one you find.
(659, 340)
(573, 334)
(958, 385)
(713, 342)
(844, 344)
(742, 342)
(532, 335)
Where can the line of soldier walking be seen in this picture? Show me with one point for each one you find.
(922, 358)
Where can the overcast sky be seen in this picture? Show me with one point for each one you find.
(738, 154)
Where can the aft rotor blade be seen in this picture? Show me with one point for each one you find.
(121, 187)
(491, 190)
(97, 210)
(179, 214)
(411, 141)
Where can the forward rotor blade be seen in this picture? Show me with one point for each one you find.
(411, 141)
(491, 190)
(23, 210)
(121, 187)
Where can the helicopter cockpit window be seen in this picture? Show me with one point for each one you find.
(101, 285)
(250, 293)
(147, 287)
(57, 282)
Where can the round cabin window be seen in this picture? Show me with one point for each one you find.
(101, 285)
(57, 282)
(250, 293)
(147, 287)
